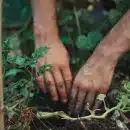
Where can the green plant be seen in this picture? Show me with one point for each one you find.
(20, 86)
(81, 33)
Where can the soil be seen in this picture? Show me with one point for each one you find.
(58, 124)
(106, 124)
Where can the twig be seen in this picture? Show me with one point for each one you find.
(64, 116)
(1, 80)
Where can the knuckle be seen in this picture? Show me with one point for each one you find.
(39, 79)
(95, 88)
(83, 88)
(50, 83)
(60, 85)
(53, 93)
(63, 94)
(68, 80)
(64, 65)
(54, 67)
(104, 89)
(37, 30)
(76, 82)
(73, 94)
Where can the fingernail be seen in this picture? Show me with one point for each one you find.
(64, 100)
(55, 99)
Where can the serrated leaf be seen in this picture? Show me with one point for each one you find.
(39, 52)
(90, 41)
(44, 68)
(12, 72)
(18, 60)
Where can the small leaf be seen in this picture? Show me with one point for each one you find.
(13, 72)
(44, 68)
(13, 42)
(65, 40)
(81, 42)
(18, 60)
(24, 92)
(114, 15)
(31, 95)
(40, 52)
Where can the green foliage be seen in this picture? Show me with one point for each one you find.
(44, 68)
(123, 5)
(124, 97)
(114, 16)
(20, 87)
(12, 72)
(39, 52)
(89, 42)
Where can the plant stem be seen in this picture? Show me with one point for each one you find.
(77, 20)
(64, 116)
(1, 77)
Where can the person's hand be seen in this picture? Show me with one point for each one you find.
(92, 79)
(58, 81)
(95, 76)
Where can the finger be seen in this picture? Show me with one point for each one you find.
(60, 84)
(51, 86)
(89, 101)
(97, 104)
(80, 101)
(73, 98)
(67, 76)
(40, 81)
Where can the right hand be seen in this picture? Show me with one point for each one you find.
(59, 79)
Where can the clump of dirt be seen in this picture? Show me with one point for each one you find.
(106, 124)
(91, 125)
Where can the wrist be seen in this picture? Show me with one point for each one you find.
(112, 48)
(46, 36)
(44, 19)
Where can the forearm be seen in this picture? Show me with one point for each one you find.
(44, 14)
(117, 42)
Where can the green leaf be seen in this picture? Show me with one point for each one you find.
(40, 52)
(13, 42)
(24, 92)
(82, 42)
(18, 60)
(44, 68)
(65, 40)
(31, 95)
(114, 15)
(13, 72)
(65, 17)
(93, 38)
(90, 41)
(28, 34)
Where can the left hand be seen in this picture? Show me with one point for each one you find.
(92, 79)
